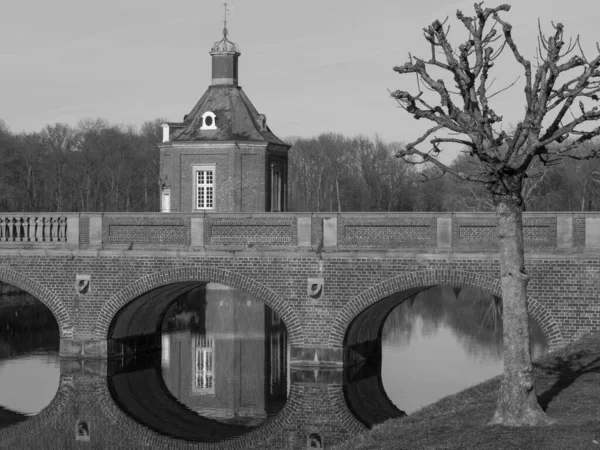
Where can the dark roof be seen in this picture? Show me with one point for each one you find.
(175, 124)
(236, 118)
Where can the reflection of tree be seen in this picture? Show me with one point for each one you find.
(474, 316)
(26, 325)
(187, 313)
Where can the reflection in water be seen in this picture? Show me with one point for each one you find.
(223, 374)
(441, 341)
(29, 365)
(224, 356)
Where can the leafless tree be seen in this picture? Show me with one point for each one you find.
(559, 92)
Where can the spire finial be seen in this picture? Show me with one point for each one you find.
(225, 18)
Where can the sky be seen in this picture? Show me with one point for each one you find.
(311, 66)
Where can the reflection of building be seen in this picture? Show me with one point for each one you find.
(276, 359)
(203, 348)
(232, 373)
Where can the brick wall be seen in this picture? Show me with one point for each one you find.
(566, 288)
(258, 254)
(251, 231)
(390, 232)
(240, 183)
(473, 232)
(84, 230)
(147, 230)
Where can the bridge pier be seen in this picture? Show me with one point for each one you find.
(83, 348)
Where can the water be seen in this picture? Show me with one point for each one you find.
(29, 363)
(442, 341)
(223, 373)
(224, 355)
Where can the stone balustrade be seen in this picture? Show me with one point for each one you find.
(401, 232)
(45, 229)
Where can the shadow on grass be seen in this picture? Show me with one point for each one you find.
(566, 370)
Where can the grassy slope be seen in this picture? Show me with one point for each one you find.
(568, 387)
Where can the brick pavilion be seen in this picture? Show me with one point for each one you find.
(223, 157)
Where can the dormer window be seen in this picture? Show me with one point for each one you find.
(209, 121)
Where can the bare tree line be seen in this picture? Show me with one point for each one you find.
(97, 166)
(334, 173)
(94, 166)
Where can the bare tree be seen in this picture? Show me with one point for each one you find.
(558, 92)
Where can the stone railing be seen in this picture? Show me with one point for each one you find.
(44, 229)
(399, 232)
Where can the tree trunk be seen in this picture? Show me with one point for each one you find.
(517, 400)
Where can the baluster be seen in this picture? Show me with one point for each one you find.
(21, 228)
(13, 231)
(62, 229)
(50, 236)
(36, 222)
(27, 227)
(53, 229)
(44, 229)
(2, 232)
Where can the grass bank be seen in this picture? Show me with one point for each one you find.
(568, 387)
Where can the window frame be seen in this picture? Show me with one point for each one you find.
(204, 168)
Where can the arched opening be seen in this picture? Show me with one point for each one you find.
(425, 343)
(29, 363)
(221, 370)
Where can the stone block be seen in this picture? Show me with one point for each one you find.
(197, 230)
(444, 232)
(564, 232)
(96, 230)
(316, 356)
(301, 375)
(304, 231)
(592, 233)
(94, 349)
(71, 348)
(330, 231)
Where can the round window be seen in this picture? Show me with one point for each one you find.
(208, 121)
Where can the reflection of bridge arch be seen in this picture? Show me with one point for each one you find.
(50, 300)
(198, 276)
(51, 417)
(411, 283)
(144, 435)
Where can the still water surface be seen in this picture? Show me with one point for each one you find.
(223, 366)
(442, 341)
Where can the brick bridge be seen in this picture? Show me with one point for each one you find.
(108, 278)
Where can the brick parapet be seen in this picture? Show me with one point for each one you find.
(459, 232)
(384, 232)
(84, 231)
(129, 230)
(248, 232)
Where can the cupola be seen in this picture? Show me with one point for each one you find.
(225, 56)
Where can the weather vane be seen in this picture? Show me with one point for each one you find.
(227, 10)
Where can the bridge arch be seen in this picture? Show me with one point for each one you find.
(50, 300)
(203, 275)
(413, 282)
